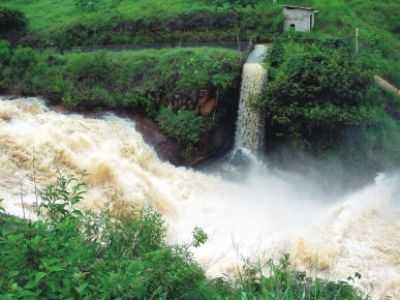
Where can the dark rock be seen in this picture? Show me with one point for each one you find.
(167, 149)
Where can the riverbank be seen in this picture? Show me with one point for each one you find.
(188, 94)
(122, 175)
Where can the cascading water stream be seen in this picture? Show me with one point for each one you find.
(266, 214)
(250, 124)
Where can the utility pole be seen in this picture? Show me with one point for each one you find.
(357, 40)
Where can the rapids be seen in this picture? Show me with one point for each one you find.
(264, 214)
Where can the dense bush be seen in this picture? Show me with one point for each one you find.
(321, 99)
(184, 125)
(5, 53)
(320, 84)
(103, 23)
(130, 80)
(11, 20)
(87, 5)
(77, 255)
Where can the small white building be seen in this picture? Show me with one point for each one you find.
(299, 18)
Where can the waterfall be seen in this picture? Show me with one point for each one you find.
(264, 215)
(250, 125)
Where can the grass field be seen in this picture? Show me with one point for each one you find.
(337, 16)
(47, 15)
(62, 23)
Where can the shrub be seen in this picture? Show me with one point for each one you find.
(59, 199)
(5, 53)
(312, 74)
(11, 20)
(90, 69)
(23, 59)
(321, 99)
(129, 80)
(315, 91)
(80, 256)
(186, 126)
(103, 256)
(87, 5)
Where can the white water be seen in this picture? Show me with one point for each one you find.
(265, 215)
(250, 124)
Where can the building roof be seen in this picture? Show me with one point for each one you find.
(301, 8)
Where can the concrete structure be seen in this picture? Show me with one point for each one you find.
(299, 18)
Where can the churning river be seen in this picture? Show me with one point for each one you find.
(263, 215)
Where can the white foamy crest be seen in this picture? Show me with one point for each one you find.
(250, 125)
(266, 214)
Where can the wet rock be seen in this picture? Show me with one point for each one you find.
(166, 148)
(208, 107)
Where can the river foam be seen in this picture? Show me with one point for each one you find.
(265, 214)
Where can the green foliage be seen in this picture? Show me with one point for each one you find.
(11, 20)
(199, 237)
(59, 199)
(285, 283)
(314, 75)
(104, 256)
(321, 99)
(135, 80)
(141, 22)
(87, 5)
(23, 59)
(5, 53)
(80, 256)
(234, 4)
(16, 68)
(185, 125)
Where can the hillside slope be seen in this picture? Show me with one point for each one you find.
(142, 22)
(112, 22)
(378, 22)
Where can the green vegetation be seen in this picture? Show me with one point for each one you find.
(106, 22)
(321, 98)
(11, 20)
(71, 254)
(130, 80)
(13, 24)
(378, 25)
(185, 125)
(309, 111)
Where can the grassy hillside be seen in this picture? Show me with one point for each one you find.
(336, 17)
(50, 14)
(65, 25)
(378, 22)
(142, 22)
